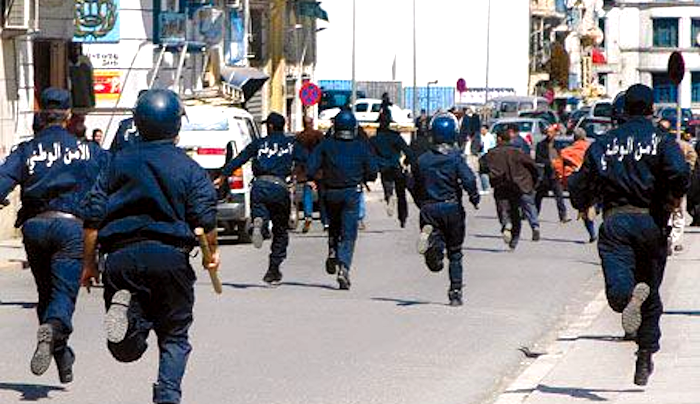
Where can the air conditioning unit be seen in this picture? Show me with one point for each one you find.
(234, 4)
(16, 15)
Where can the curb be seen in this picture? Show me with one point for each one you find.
(529, 379)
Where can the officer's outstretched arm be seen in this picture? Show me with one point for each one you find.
(238, 161)
(581, 183)
(676, 172)
(12, 172)
(313, 164)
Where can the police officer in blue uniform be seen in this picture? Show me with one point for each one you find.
(389, 145)
(441, 174)
(639, 175)
(346, 162)
(143, 211)
(55, 171)
(273, 159)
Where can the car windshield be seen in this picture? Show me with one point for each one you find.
(595, 128)
(205, 122)
(603, 109)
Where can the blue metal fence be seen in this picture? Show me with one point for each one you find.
(440, 98)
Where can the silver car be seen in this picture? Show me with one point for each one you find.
(531, 129)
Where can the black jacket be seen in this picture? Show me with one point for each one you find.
(511, 171)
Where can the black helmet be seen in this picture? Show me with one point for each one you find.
(639, 100)
(345, 125)
(618, 109)
(158, 114)
(444, 128)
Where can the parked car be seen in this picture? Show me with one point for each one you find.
(367, 110)
(510, 106)
(530, 129)
(575, 117)
(595, 127)
(211, 135)
(601, 109)
(670, 114)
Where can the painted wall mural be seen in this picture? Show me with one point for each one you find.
(96, 21)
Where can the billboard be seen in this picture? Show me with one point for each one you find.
(96, 21)
(107, 84)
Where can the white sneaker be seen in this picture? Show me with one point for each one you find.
(116, 319)
(424, 239)
(391, 206)
(632, 314)
(257, 236)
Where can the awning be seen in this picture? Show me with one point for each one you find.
(312, 9)
(248, 79)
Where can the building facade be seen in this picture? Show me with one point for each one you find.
(640, 37)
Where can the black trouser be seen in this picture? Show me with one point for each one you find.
(448, 221)
(632, 249)
(270, 201)
(508, 209)
(54, 248)
(343, 215)
(161, 281)
(394, 180)
(547, 184)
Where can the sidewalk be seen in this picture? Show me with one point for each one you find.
(12, 255)
(589, 362)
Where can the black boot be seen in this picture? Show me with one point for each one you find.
(41, 360)
(273, 275)
(644, 367)
(65, 358)
(332, 263)
(343, 278)
(455, 296)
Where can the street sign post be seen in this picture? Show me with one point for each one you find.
(461, 85)
(310, 94)
(676, 72)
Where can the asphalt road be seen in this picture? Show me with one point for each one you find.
(389, 340)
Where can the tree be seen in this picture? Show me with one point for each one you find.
(558, 66)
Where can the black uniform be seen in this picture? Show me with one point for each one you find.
(633, 171)
(273, 158)
(345, 164)
(442, 173)
(389, 145)
(146, 211)
(55, 171)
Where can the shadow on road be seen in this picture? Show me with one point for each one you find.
(560, 240)
(487, 250)
(243, 285)
(682, 313)
(603, 338)
(309, 285)
(406, 302)
(293, 284)
(30, 392)
(575, 392)
(22, 305)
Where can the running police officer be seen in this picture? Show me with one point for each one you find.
(55, 171)
(639, 175)
(143, 212)
(388, 144)
(441, 174)
(346, 162)
(273, 158)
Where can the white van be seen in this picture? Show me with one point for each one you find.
(212, 135)
(510, 106)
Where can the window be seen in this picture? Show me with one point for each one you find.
(376, 107)
(526, 106)
(695, 32)
(665, 32)
(695, 83)
(601, 25)
(362, 107)
(664, 90)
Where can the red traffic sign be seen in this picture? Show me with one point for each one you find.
(461, 85)
(676, 68)
(310, 94)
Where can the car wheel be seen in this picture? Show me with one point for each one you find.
(242, 231)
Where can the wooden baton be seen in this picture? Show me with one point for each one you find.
(206, 252)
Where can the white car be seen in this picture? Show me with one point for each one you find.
(212, 135)
(601, 109)
(367, 110)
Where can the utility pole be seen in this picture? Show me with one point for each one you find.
(353, 95)
(277, 62)
(415, 65)
(488, 50)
